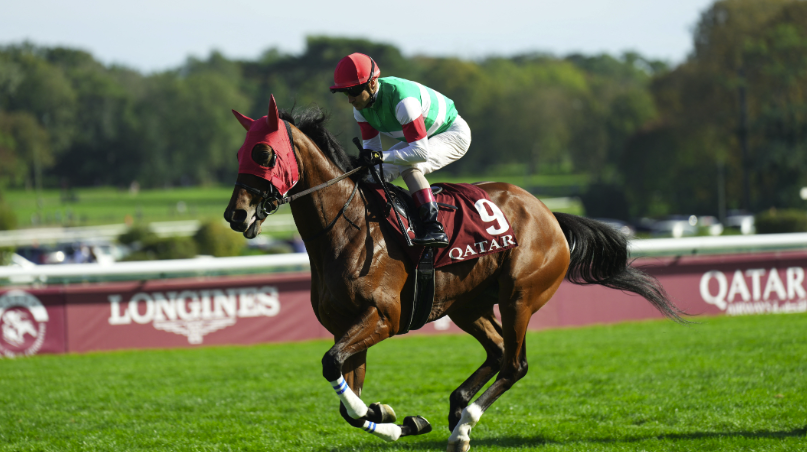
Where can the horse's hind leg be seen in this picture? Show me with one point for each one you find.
(517, 302)
(487, 330)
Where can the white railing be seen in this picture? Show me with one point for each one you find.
(171, 266)
(645, 247)
(110, 232)
(730, 243)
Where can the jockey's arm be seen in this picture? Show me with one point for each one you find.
(408, 113)
(371, 138)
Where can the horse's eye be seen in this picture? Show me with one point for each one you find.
(264, 155)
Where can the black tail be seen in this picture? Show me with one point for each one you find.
(599, 255)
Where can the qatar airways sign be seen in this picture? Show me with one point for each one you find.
(755, 290)
(194, 313)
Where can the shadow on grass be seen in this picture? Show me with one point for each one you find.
(521, 442)
(530, 443)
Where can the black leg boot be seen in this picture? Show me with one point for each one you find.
(431, 231)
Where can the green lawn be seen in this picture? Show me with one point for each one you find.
(109, 205)
(729, 384)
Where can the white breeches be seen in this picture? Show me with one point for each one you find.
(444, 148)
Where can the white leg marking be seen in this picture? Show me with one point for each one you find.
(387, 432)
(355, 407)
(470, 416)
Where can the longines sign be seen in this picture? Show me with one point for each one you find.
(194, 313)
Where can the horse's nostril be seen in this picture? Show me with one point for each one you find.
(239, 216)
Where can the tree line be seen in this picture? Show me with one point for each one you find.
(724, 129)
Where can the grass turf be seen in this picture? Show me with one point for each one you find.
(729, 383)
(109, 205)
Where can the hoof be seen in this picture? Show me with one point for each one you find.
(459, 446)
(381, 414)
(416, 425)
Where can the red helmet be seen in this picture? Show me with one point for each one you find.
(354, 69)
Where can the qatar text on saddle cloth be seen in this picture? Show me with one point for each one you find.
(478, 227)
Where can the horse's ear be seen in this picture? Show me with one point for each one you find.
(245, 121)
(273, 118)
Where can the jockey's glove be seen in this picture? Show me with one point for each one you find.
(370, 157)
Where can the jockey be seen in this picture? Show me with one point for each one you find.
(430, 131)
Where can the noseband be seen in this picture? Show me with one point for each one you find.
(267, 197)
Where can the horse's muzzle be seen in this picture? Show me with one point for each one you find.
(237, 219)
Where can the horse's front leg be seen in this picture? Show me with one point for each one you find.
(354, 370)
(349, 355)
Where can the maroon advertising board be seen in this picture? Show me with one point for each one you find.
(736, 284)
(191, 312)
(31, 322)
(195, 312)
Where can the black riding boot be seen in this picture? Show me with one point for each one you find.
(431, 231)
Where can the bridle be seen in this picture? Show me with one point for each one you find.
(272, 195)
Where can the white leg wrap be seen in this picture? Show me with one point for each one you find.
(470, 416)
(387, 432)
(355, 407)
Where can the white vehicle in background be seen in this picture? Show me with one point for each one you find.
(18, 261)
(675, 226)
(619, 225)
(744, 221)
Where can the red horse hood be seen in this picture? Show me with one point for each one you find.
(271, 131)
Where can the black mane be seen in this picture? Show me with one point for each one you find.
(311, 122)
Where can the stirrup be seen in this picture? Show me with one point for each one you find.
(432, 239)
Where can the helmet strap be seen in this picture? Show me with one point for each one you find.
(369, 79)
(373, 95)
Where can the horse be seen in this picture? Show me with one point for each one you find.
(360, 273)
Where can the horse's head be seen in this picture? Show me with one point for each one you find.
(267, 170)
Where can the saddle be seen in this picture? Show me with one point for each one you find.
(403, 203)
(474, 224)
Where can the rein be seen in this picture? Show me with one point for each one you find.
(272, 194)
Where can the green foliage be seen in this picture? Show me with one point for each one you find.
(5, 254)
(164, 248)
(217, 239)
(775, 221)
(175, 127)
(605, 201)
(24, 144)
(726, 384)
(8, 220)
(136, 234)
(665, 137)
(758, 48)
(148, 246)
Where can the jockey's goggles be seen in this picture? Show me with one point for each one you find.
(353, 91)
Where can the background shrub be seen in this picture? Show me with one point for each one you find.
(217, 239)
(775, 221)
(146, 245)
(136, 235)
(8, 220)
(158, 248)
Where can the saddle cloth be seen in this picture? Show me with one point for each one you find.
(477, 228)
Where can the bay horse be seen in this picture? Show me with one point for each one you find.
(360, 273)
